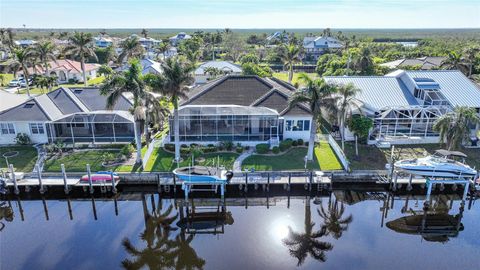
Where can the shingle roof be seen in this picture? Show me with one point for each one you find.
(456, 88)
(92, 99)
(63, 101)
(27, 111)
(378, 91)
(245, 91)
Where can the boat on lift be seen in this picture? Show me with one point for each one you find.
(440, 165)
(203, 174)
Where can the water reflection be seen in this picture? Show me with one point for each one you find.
(333, 220)
(6, 213)
(302, 244)
(433, 224)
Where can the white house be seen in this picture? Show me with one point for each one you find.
(148, 67)
(149, 43)
(245, 109)
(175, 40)
(314, 47)
(75, 115)
(405, 104)
(102, 41)
(25, 42)
(67, 70)
(223, 67)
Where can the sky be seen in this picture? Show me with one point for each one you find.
(280, 14)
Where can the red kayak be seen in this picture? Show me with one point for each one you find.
(100, 177)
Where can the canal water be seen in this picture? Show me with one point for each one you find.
(346, 230)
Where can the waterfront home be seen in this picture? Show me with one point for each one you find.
(67, 70)
(405, 104)
(222, 67)
(25, 42)
(103, 41)
(148, 67)
(423, 63)
(149, 43)
(244, 109)
(76, 115)
(175, 40)
(314, 47)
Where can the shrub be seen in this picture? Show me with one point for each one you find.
(185, 151)
(300, 142)
(285, 145)
(169, 147)
(262, 148)
(127, 150)
(294, 143)
(239, 149)
(276, 150)
(211, 145)
(227, 145)
(184, 146)
(22, 139)
(108, 157)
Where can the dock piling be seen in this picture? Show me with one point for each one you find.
(64, 176)
(289, 181)
(409, 187)
(14, 179)
(114, 188)
(90, 184)
(246, 182)
(40, 183)
(268, 183)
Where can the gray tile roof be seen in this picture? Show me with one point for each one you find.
(245, 91)
(456, 88)
(378, 91)
(29, 111)
(47, 105)
(63, 101)
(94, 101)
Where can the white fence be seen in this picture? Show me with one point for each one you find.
(336, 148)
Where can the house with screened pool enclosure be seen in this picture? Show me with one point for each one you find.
(244, 109)
(69, 115)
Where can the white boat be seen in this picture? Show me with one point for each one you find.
(439, 165)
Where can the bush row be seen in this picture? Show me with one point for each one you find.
(264, 148)
(210, 148)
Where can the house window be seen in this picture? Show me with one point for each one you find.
(7, 128)
(306, 125)
(37, 128)
(298, 126)
(288, 125)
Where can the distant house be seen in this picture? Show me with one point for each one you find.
(314, 47)
(148, 67)
(68, 70)
(277, 36)
(244, 109)
(175, 40)
(103, 41)
(70, 115)
(225, 67)
(405, 104)
(423, 63)
(149, 43)
(25, 42)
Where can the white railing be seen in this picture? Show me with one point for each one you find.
(336, 148)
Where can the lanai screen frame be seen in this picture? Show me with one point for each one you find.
(91, 125)
(240, 117)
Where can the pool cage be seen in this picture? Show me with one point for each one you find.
(227, 123)
(92, 128)
(407, 122)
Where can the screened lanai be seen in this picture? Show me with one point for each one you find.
(93, 128)
(227, 123)
(405, 122)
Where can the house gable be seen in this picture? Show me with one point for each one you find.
(27, 111)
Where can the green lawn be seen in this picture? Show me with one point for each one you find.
(324, 159)
(23, 162)
(35, 90)
(77, 161)
(7, 77)
(284, 76)
(370, 157)
(162, 161)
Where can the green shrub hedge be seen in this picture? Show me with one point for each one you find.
(276, 150)
(262, 148)
(285, 145)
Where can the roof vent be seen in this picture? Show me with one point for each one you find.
(28, 105)
(78, 91)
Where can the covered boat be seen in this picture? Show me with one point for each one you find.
(441, 164)
(100, 177)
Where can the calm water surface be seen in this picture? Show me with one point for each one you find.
(348, 230)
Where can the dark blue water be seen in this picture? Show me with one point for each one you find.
(345, 231)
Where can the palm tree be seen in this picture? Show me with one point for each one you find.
(159, 252)
(162, 48)
(186, 256)
(470, 55)
(22, 59)
(334, 223)
(131, 81)
(45, 51)
(174, 82)
(364, 62)
(290, 54)
(80, 46)
(105, 70)
(144, 33)
(317, 95)
(301, 245)
(131, 48)
(346, 102)
(454, 126)
(455, 60)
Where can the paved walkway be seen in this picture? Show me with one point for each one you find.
(41, 153)
(237, 165)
